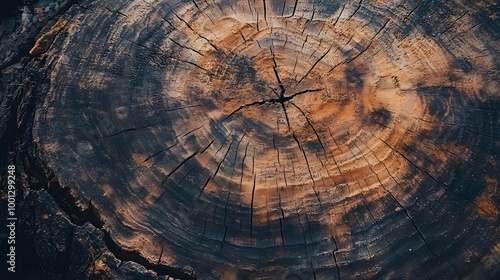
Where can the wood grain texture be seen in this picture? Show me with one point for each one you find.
(281, 139)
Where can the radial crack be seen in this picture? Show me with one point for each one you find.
(310, 124)
(314, 65)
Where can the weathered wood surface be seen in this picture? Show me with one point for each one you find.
(309, 139)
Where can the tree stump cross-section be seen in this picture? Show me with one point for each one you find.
(282, 139)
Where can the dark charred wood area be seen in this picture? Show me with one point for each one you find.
(254, 139)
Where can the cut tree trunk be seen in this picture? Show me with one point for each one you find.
(279, 139)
